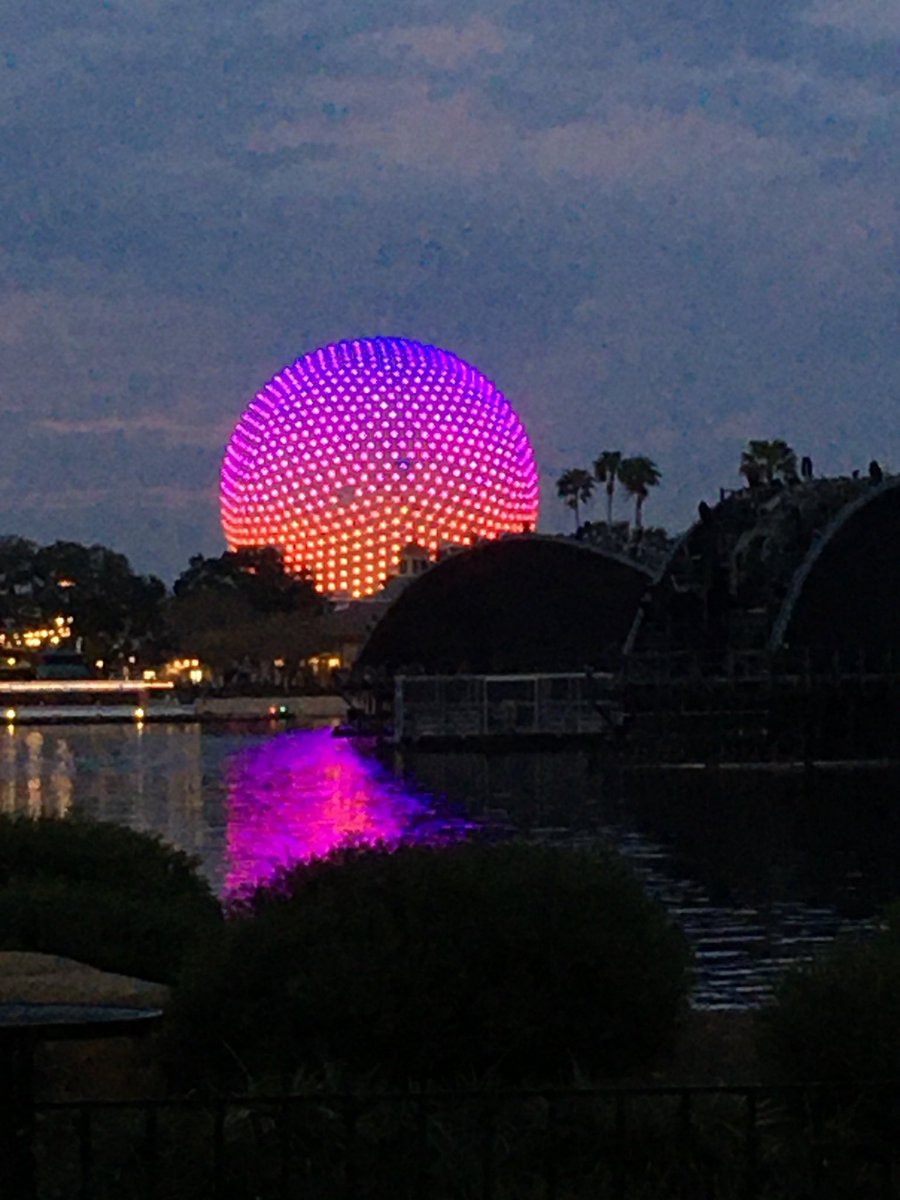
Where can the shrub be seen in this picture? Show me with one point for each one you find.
(105, 895)
(429, 963)
(837, 1019)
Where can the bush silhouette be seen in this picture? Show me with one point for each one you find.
(436, 962)
(837, 1019)
(102, 894)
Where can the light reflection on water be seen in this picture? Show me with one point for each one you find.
(302, 794)
(152, 778)
(244, 802)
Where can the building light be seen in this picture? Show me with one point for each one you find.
(138, 714)
(10, 715)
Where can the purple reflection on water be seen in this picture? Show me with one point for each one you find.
(298, 795)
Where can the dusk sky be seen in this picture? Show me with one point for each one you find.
(659, 227)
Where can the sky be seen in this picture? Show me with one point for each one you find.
(660, 226)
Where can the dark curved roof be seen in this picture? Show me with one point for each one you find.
(771, 566)
(847, 591)
(526, 604)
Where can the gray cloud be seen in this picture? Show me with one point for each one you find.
(662, 232)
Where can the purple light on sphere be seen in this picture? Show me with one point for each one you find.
(361, 448)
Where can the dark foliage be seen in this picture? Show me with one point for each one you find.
(104, 895)
(516, 961)
(244, 606)
(113, 609)
(255, 574)
(838, 1019)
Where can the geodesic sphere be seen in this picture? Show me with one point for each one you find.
(361, 448)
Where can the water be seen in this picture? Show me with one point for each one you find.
(299, 795)
(244, 801)
(758, 870)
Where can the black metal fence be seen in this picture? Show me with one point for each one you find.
(689, 1143)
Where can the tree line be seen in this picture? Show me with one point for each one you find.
(240, 606)
(763, 462)
(636, 475)
(243, 606)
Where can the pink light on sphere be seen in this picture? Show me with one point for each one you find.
(360, 448)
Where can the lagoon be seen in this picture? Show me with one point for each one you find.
(759, 869)
(243, 800)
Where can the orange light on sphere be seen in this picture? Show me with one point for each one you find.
(359, 448)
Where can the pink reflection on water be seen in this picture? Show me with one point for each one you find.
(298, 795)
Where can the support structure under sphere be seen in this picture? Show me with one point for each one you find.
(358, 449)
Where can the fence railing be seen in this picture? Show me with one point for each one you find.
(782, 667)
(485, 705)
(689, 1143)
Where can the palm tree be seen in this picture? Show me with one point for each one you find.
(637, 475)
(606, 470)
(767, 461)
(575, 487)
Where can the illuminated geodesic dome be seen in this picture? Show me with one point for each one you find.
(360, 448)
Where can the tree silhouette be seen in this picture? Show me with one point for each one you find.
(114, 610)
(637, 475)
(244, 605)
(257, 574)
(17, 585)
(575, 487)
(606, 470)
(768, 461)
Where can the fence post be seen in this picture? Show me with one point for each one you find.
(751, 1147)
(551, 1147)
(487, 1165)
(620, 1149)
(219, 1150)
(85, 1153)
(350, 1116)
(151, 1150)
(686, 1130)
(422, 1155)
(17, 1117)
(284, 1146)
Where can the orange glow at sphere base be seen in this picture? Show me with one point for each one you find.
(360, 448)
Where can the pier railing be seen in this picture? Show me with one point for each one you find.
(782, 667)
(467, 706)
(750, 707)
